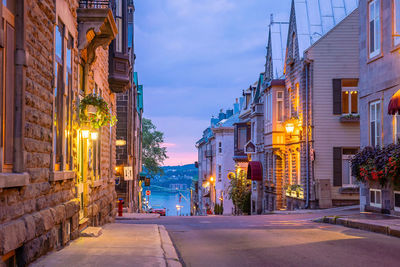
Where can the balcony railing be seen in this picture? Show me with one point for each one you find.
(94, 4)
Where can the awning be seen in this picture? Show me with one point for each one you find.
(254, 171)
(394, 104)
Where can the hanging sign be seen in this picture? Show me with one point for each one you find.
(128, 174)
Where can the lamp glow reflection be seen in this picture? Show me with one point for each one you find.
(85, 134)
(94, 135)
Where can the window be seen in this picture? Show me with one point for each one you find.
(119, 22)
(94, 157)
(396, 200)
(347, 179)
(297, 100)
(298, 180)
(374, 28)
(130, 35)
(58, 95)
(63, 100)
(396, 22)
(219, 173)
(268, 107)
(375, 198)
(7, 90)
(219, 147)
(242, 137)
(290, 102)
(290, 168)
(375, 123)
(396, 127)
(349, 100)
(279, 106)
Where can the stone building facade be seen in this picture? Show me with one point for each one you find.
(379, 83)
(54, 180)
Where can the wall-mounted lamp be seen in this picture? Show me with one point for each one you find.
(120, 142)
(289, 128)
(94, 135)
(85, 134)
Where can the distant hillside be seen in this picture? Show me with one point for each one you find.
(183, 174)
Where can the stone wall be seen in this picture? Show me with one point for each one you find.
(44, 214)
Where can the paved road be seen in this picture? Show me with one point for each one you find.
(275, 240)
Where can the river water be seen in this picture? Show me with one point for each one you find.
(169, 200)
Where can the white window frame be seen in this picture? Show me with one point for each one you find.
(375, 118)
(394, 193)
(280, 100)
(374, 18)
(268, 107)
(351, 178)
(375, 204)
(350, 91)
(396, 134)
(396, 31)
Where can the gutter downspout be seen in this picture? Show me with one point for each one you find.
(307, 142)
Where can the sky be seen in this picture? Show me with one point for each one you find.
(194, 57)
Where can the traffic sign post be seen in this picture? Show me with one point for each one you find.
(148, 192)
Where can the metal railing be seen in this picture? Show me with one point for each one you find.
(94, 4)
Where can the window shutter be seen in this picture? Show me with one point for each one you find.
(337, 166)
(337, 96)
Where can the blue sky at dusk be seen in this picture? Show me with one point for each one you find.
(195, 57)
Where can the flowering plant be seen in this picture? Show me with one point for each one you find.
(380, 165)
(101, 116)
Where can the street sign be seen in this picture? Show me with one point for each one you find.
(128, 174)
(148, 192)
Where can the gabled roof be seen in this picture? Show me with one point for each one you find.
(257, 92)
(276, 48)
(314, 18)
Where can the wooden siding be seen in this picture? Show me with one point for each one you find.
(334, 56)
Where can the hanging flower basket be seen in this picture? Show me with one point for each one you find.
(94, 111)
(90, 109)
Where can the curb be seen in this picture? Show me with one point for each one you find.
(135, 218)
(376, 228)
(170, 255)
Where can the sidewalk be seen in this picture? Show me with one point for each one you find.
(119, 245)
(137, 216)
(379, 223)
(310, 211)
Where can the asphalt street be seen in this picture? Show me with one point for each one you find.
(275, 240)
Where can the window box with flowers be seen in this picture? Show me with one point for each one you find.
(295, 191)
(350, 118)
(378, 166)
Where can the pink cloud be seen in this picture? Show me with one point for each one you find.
(168, 145)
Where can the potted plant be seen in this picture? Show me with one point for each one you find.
(94, 111)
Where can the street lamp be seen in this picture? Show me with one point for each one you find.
(212, 179)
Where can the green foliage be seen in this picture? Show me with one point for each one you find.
(377, 165)
(101, 118)
(239, 192)
(153, 154)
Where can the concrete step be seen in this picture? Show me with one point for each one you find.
(83, 224)
(91, 232)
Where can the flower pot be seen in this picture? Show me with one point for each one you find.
(90, 109)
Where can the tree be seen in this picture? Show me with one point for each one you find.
(239, 192)
(153, 154)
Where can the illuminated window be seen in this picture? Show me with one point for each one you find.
(279, 106)
(375, 123)
(374, 28)
(396, 22)
(297, 100)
